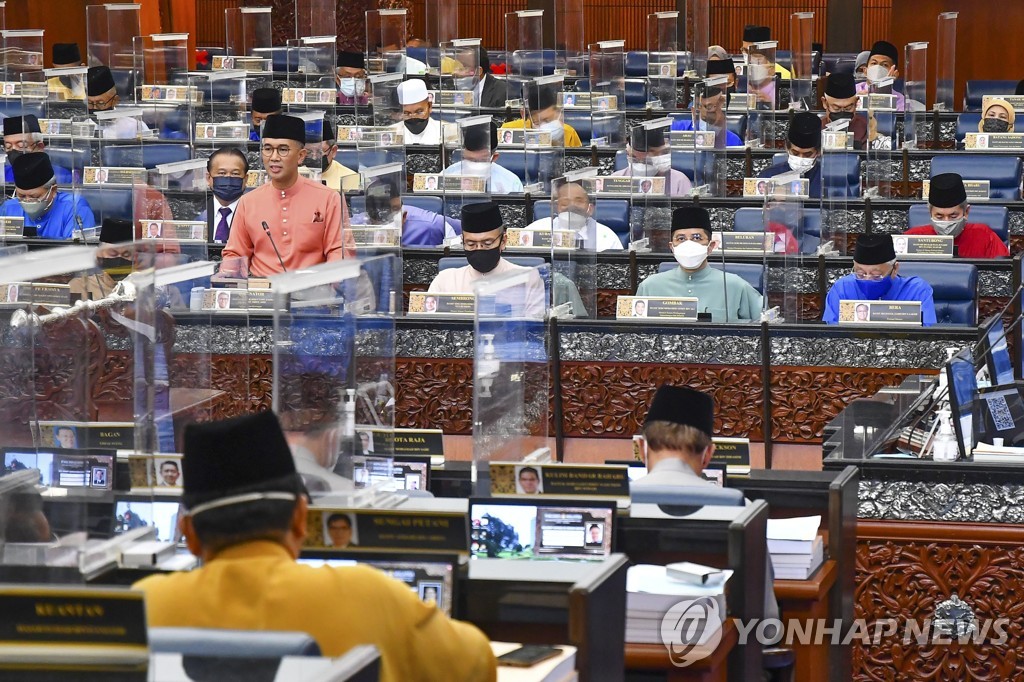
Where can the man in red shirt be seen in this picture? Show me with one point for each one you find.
(947, 203)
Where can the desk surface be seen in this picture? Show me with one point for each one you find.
(655, 656)
(815, 587)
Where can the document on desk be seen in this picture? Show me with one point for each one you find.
(792, 536)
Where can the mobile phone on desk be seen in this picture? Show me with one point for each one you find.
(528, 655)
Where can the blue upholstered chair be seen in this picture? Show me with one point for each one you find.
(954, 287)
(147, 155)
(611, 212)
(751, 219)
(1002, 172)
(976, 90)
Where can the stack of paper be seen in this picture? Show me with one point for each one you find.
(984, 452)
(650, 593)
(795, 548)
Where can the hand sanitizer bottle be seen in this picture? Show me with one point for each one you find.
(944, 447)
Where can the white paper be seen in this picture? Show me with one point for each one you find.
(645, 578)
(803, 528)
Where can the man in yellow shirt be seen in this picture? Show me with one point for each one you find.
(246, 520)
(335, 176)
(545, 113)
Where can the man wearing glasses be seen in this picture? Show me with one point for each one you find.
(22, 135)
(840, 103)
(726, 296)
(101, 95)
(876, 277)
(304, 217)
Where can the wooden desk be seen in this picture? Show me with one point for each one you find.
(806, 600)
(711, 668)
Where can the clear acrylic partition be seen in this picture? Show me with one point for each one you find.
(880, 168)
(460, 69)
(801, 31)
(608, 94)
(836, 221)
(460, 190)
(110, 31)
(442, 26)
(65, 312)
(784, 220)
(219, 118)
(915, 92)
(385, 41)
(570, 38)
(164, 93)
(524, 43)
(762, 94)
(511, 371)
(649, 190)
(3, 15)
(710, 164)
(698, 33)
(311, 79)
(544, 155)
(384, 138)
(314, 122)
(247, 30)
(475, 132)
(189, 198)
(334, 368)
(375, 227)
(945, 61)
(663, 48)
(62, 117)
(573, 246)
(22, 53)
(315, 17)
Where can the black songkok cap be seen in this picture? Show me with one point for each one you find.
(885, 48)
(481, 217)
(805, 130)
(644, 139)
(242, 452)
(720, 67)
(841, 86)
(481, 137)
(683, 406)
(32, 170)
(266, 100)
(946, 190)
(66, 53)
(282, 127)
(756, 34)
(18, 125)
(99, 81)
(353, 60)
(874, 249)
(690, 218)
(114, 231)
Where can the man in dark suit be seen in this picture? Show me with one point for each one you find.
(493, 92)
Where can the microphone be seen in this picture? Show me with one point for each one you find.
(266, 228)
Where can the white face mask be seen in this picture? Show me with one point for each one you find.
(556, 129)
(571, 220)
(801, 164)
(662, 162)
(758, 72)
(949, 228)
(352, 87)
(690, 254)
(466, 83)
(877, 72)
(479, 168)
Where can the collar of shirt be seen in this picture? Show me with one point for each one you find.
(292, 191)
(479, 90)
(233, 206)
(672, 464)
(701, 275)
(252, 550)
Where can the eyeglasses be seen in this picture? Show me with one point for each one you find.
(847, 109)
(866, 277)
(422, 112)
(101, 104)
(679, 239)
(282, 150)
(482, 245)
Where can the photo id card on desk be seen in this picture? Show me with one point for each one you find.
(235, 130)
(663, 307)
(383, 136)
(1015, 101)
(172, 93)
(614, 184)
(744, 242)
(759, 187)
(904, 313)
(688, 139)
(183, 230)
(424, 303)
(836, 139)
(308, 95)
(12, 226)
(36, 293)
(113, 175)
(978, 190)
(994, 141)
(376, 235)
(923, 245)
(525, 239)
(513, 137)
(436, 182)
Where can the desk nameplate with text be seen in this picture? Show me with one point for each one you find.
(392, 530)
(428, 303)
(666, 307)
(562, 480)
(903, 313)
(923, 245)
(978, 190)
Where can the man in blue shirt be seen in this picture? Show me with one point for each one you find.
(21, 135)
(420, 227)
(265, 102)
(480, 156)
(876, 277)
(48, 212)
(712, 106)
(803, 146)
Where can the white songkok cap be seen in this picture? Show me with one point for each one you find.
(412, 91)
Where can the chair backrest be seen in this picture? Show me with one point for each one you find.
(357, 203)
(967, 122)
(683, 160)
(231, 643)
(611, 212)
(636, 64)
(520, 162)
(686, 496)
(954, 289)
(146, 155)
(109, 202)
(751, 273)
(974, 91)
(636, 93)
(528, 61)
(1002, 172)
(996, 217)
(353, 159)
(72, 159)
(840, 175)
(751, 219)
(580, 121)
(449, 262)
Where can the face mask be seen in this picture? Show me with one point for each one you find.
(556, 129)
(662, 163)
(467, 83)
(840, 115)
(874, 289)
(12, 155)
(228, 189)
(949, 228)
(34, 209)
(572, 219)
(877, 72)
(479, 168)
(416, 125)
(800, 164)
(758, 72)
(989, 125)
(690, 254)
(484, 260)
(325, 163)
(352, 87)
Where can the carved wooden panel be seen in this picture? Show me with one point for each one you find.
(804, 399)
(434, 394)
(808, 307)
(606, 299)
(905, 578)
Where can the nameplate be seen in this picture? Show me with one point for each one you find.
(66, 629)
(183, 230)
(523, 137)
(836, 140)
(427, 442)
(391, 530)
(12, 226)
(435, 182)
(104, 175)
(172, 93)
(734, 453)
(424, 303)
(742, 101)
(383, 136)
(923, 245)
(759, 187)
(877, 102)
(86, 435)
(609, 184)
(309, 96)
(689, 139)
(975, 189)
(9, 89)
(226, 63)
(256, 178)
(55, 127)
(160, 472)
(560, 480)
(740, 242)
(667, 307)
(525, 239)
(35, 293)
(376, 235)
(1015, 101)
(905, 313)
(457, 98)
(588, 100)
(238, 299)
(994, 141)
(662, 69)
(222, 131)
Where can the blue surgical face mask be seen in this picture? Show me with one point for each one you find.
(227, 188)
(874, 289)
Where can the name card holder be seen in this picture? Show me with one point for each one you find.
(994, 141)
(425, 303)
(624, 185)
(690, 139)
(562, 480)
(385, 530)
(923, 245)
(681, 308)
(436, 182)
(979, 190)
(902, 313)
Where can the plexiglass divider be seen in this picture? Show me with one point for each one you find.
(184, 187)
(376, 222)
(608, 93)
(570, 39)
(663, 48)
(110, 32)
(648, 184)
(524, 43)
(315, 17)
(698, 33)
(22, 53)
(784, 226)
(945, 61)
(706, 140)
(246, 30)
(442, 26)
(385, 41)
(762, 96)
(459, 77)
(164, 92)
(801, 85)
(219, 118)
(915, 93)
(573, 246)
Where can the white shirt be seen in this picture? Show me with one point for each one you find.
(414, 67)
(310, 470)
(430, 135)
(607, 240)
(217, 206)
(531, 303)
(127, 128)
(501, 180)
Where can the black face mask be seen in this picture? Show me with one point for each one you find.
(840, 115)
(995, 125)
(416, 125)
(484, 260)
(325, 163)
(12, 155)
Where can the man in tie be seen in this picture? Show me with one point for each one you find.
(225, 176)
